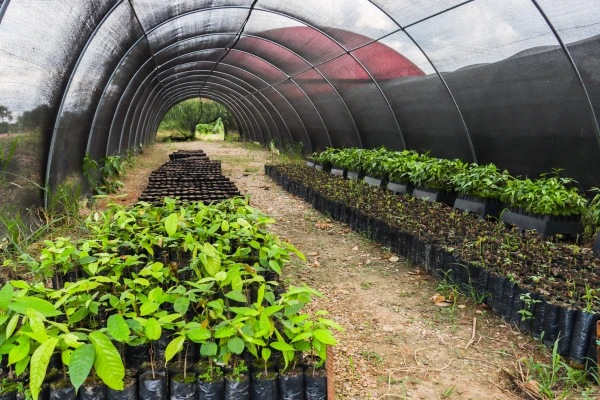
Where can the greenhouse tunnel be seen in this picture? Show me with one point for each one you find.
(512, 82)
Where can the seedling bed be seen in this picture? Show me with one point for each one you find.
(519, 274)
(179, 301)
(189, 178)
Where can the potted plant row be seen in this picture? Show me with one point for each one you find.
(517, 274)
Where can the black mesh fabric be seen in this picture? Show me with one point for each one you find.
(514, 82)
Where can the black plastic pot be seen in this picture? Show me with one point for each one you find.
(315, 384)
(551, 324)
(92, 391)
(566, 324)
(496, 289)
(480, 206)
(291, 385)
(517, 305)
(545, 225)
(441, 196)
(538, 319)
(214, 390)
(400, 188)
(526, 324)
(480, 284)
(128, 393)
(153, 389)
(237, 389)
(11, 394)
(508, 295)
(265, 388)
(585, 324)
(136, 356)
(183, 389)
(62, 390)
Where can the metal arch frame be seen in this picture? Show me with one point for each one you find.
(3, 9)
(288, 76)
(260, 91)
(574, 66)
(250, 93)
(324, 78)
(182, 96)
(66, 92)
(177, 97)
(237, 78)
(243, 71)
(174, 85)
(348, 52)
(191, 92)
(403, 29)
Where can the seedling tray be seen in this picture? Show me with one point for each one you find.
(377, 182)
(482, 207)
(545, 225)
(400, 188)
(438, 195)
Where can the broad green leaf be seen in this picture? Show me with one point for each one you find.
(21, 365)
(148, 308)
(303, 336)
(225, 331)
(6, 295)
(118, 328)
(174, 347)
(236, 296)
(275, 266)
(152, 329)
(78, 315)
(39, 365)
(19, 352)
(209, 349)
(21, 304)
(324, 336)
(66, 357)
(265, 353)
(282, 346)
(81, 364)
(198, 335)
(225, 226)
(221, 276)
(71, 340)
(236, 345)
(171, 224)
(181, 305)
(108, 363)
(254, 244)
(12, 325)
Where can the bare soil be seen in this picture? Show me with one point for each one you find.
(397, 342)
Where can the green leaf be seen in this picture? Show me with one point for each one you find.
(275, 266)
(198, 335)
(66, 357)
(78, 315)
(152, 329)
(19, 352)
(108, 363)
(181, 305)
(21, 304)
(324, 336)
(171, 224)
(236, 296)
(254, 244)
(174, 347)
(6, 295)
(225, 331)
(265, 353)
(81, 364)
(236, 345)
(39, 365)
(12, 325)
(21, 365)
(282, 346)
(148, 308)
(224, 226)
(118, 328)
(209, 349)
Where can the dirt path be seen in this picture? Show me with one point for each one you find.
(397, 343)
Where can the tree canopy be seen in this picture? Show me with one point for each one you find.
(186, 116)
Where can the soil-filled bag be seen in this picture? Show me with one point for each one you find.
(291, 385)
(151, 388)
(136, 356)
(160, 346)
(213, 390)
(418, 252)
(585, 325)
(92, 391)
(237, 389)
(428, 262)
(566, 323)
(527, 320)
(461, 274)
(128, 393)
(265, 388)
(518, 304)
(496, 289)
(316, 385)
(62, 390)
(591, 365)
(12, 395)
(538, 318)
(551, 324)
(480, 284)
(183, 388)
(383, 234)
(508, 295)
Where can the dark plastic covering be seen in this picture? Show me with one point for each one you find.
(513, 82)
